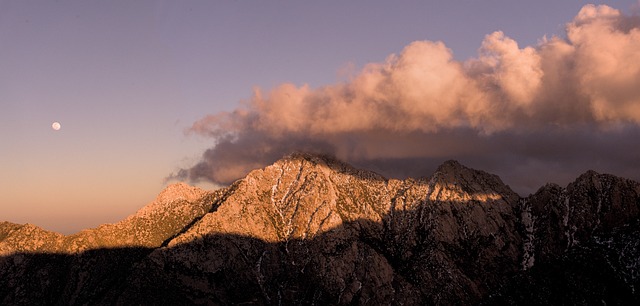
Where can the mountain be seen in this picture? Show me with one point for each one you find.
(312, 230)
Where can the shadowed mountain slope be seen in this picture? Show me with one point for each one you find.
(312, 230)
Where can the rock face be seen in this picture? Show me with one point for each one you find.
(312, 230)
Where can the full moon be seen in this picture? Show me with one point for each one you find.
(55, 125)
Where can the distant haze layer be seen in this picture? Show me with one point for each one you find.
(548, 112)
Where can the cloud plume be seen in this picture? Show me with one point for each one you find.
(552, 111)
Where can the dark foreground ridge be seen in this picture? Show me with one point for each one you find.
(312, 230)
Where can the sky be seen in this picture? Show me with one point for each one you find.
(152, 92)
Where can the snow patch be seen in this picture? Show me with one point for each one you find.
(528, 259)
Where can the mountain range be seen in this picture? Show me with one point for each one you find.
(310, 229)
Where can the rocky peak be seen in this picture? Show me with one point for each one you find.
(171, 212)
(452, 180)
(331, 163)
(310, 229)
(27, 238)
(558, 219)
(299, 196)
(603, 200)
(174, 193)
(180, 192)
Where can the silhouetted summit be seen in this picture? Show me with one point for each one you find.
(310, 229)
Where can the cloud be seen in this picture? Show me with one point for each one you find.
(546, 111)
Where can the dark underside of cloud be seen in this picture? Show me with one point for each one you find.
(531, 115)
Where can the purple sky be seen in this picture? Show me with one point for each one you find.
(126, 78)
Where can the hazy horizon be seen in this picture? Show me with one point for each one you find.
(533, 92)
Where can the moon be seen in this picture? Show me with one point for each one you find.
(55, 126)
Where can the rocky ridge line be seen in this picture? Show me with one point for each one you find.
(311, 229)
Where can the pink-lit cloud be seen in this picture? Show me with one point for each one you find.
(568, 103)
